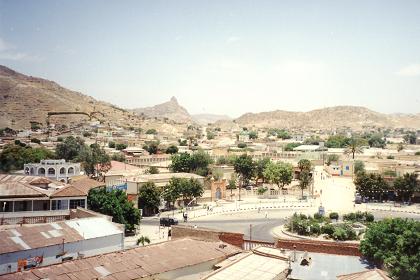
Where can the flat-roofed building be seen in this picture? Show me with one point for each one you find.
(56, 169)
(28, 246)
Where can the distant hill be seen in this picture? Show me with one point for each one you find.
(170, 110)
(356, 118)
(26, 98)
(205, 119)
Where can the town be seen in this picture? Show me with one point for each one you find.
(294, 176)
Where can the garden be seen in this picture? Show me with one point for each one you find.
(351, 227)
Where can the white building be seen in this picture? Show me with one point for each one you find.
(57, 169)
(28, 246)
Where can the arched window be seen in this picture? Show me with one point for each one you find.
(41, 171)
(32, 171)
(26, 170)
(71, 170)
(51, 171)
(62, 170)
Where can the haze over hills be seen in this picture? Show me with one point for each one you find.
(353, 117)
(24, 99)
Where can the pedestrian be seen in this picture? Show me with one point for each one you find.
(266, 214)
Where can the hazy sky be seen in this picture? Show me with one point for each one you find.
(225, 57)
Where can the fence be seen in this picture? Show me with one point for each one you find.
(252, 244)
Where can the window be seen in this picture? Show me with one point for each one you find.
(60, 204)
(74, 203)
(347, 167)
(24, 205)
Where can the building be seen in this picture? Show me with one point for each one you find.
(261, 263)
(311, 148)
(57, 169)
(164, 261)
(372, 274)
(29, 246)
(340, 168)
(30, 199)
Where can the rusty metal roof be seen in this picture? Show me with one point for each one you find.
(372, 274)
(134, 263)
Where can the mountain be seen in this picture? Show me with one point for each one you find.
(25, 98)
(170, 110)
(205, 119)
(356, 118)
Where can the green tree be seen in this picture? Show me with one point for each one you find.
(200, 162)
(376, 140)
(180, 162)
(120, 146)
(253, 135)
(359, 167)
(337, 141)
(305, 176)
(152, 147)
(118, 157)
(151, 131)
(111, 144)
(279, 173)
(400, 147)
(172, 149)
(149, 198)
(354, 147)
(13, 157)
(115, 204)
(290, 146)
(70, 148)
(395, 244)
(260, 166)
(244, 166)
(231, 184)
(210, 135)
(410, 138)
(94, 160)
(371, 185)
(406, 185)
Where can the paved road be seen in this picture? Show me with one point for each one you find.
(261, 226)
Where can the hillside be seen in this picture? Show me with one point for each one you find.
(170, 110)
(352, 117)
(25, 98)
(205, 119)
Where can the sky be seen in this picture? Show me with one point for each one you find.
(222, 57)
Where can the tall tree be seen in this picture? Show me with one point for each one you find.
(279, 173)
(94, 160)
(70, 148)
(354, 147)
(406, 185)
(149, 198)
(244, 167)
(13, 157)
(260, 166)
(305, 176)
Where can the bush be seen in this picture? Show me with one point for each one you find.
(35, 140)
(318, 216)
(60, 139)
(417, 153)
(241, 145)
(369, 217)
(315, 229)
(344, 232)
(111, 145)
(334, 215)
(120, 146)
(327, 229)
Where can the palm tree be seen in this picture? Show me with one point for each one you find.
(143, 239)
(354, 147)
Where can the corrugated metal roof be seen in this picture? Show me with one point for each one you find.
(373, 274)
(134, 263)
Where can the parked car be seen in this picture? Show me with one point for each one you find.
(357, 199)
(167, 222)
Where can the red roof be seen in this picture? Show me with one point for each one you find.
(134, 263)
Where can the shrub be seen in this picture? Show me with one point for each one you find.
(369, 217)
(315, 229)
(318, 216)
(334, 215)
(327, 229)
(344, 232)
(111, 145)
(60, 139)
(35, 140)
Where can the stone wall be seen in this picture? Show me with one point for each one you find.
(236, 239)
(328, 247)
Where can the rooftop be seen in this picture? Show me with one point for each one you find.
(133, 263)
(41, 235)
(373, 274)
(162, 176)
(262, 264)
